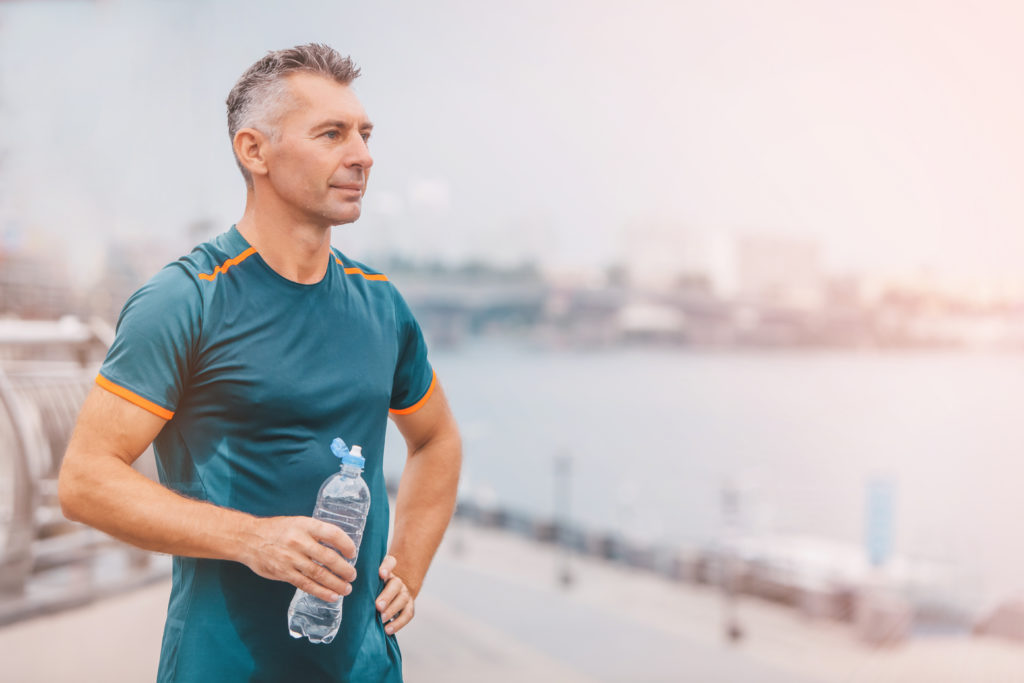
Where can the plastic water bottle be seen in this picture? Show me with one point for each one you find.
(344, 500)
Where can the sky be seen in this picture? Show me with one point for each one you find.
(889, 132)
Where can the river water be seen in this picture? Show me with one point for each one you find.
(654, 434)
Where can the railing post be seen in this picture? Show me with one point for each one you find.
(16, 548)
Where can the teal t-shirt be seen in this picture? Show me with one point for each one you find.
(256, 375)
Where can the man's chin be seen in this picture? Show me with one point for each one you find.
(343, 217)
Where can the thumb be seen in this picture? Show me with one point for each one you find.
(387, 566)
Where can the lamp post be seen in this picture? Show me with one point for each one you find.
(731, 513)
(563, 473)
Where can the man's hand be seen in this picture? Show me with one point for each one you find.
(424, 505)
(291, 549)
(395, 603)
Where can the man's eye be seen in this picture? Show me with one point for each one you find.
(366, 137)
(331, 135)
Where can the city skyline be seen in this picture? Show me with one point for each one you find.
(886, 133)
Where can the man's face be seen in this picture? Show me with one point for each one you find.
(318, 162)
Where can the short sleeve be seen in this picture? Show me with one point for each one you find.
(148, 363)
(414, 379)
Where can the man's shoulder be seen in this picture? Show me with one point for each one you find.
(181, 280)
(368, 278)
(353, 267)
(215, 256)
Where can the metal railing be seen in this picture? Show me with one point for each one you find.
(47, 562)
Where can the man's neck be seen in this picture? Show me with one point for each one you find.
(298, 251)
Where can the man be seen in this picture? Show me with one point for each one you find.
(240, 363)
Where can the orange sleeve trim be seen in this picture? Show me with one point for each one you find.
(126, 394)
(418, 404)
(223, 268)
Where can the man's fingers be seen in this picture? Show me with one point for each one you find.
(395, 609)
(387, 566)
(392, 589)
(329, 558)
(335, 537)
(402, 618)
(302, 551)
(396, 605)
(324, 577)
(303, 582)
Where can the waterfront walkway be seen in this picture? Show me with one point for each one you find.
(495, 612)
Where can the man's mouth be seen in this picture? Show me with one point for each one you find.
(356, 187)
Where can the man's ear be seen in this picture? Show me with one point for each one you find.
(250, 148)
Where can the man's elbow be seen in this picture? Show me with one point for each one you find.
(69, 488)
(454, 452)
(451, 444)
(444, 452)
(441, 437)
(458, 448)
(452, 437)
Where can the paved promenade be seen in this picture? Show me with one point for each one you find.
(494, 612)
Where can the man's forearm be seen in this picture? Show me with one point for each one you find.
(426, 500)
(111, 496)
(98, 486)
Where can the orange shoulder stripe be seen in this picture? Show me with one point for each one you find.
(223, 268)
(418, 404)
(380, 277)
(129, 395)
(369, 276)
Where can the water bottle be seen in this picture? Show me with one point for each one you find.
(344, 500)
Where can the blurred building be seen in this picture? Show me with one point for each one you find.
(33, 285)
(780, 271)
(663, 255)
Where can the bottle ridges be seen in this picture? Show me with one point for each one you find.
(344, 503)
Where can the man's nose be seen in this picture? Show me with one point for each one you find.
(360, 155)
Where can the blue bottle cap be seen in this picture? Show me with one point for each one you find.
(340, 450)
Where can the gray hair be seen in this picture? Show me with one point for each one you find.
(258, 97)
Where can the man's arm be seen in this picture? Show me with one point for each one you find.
(97, 486)
(426, 500)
